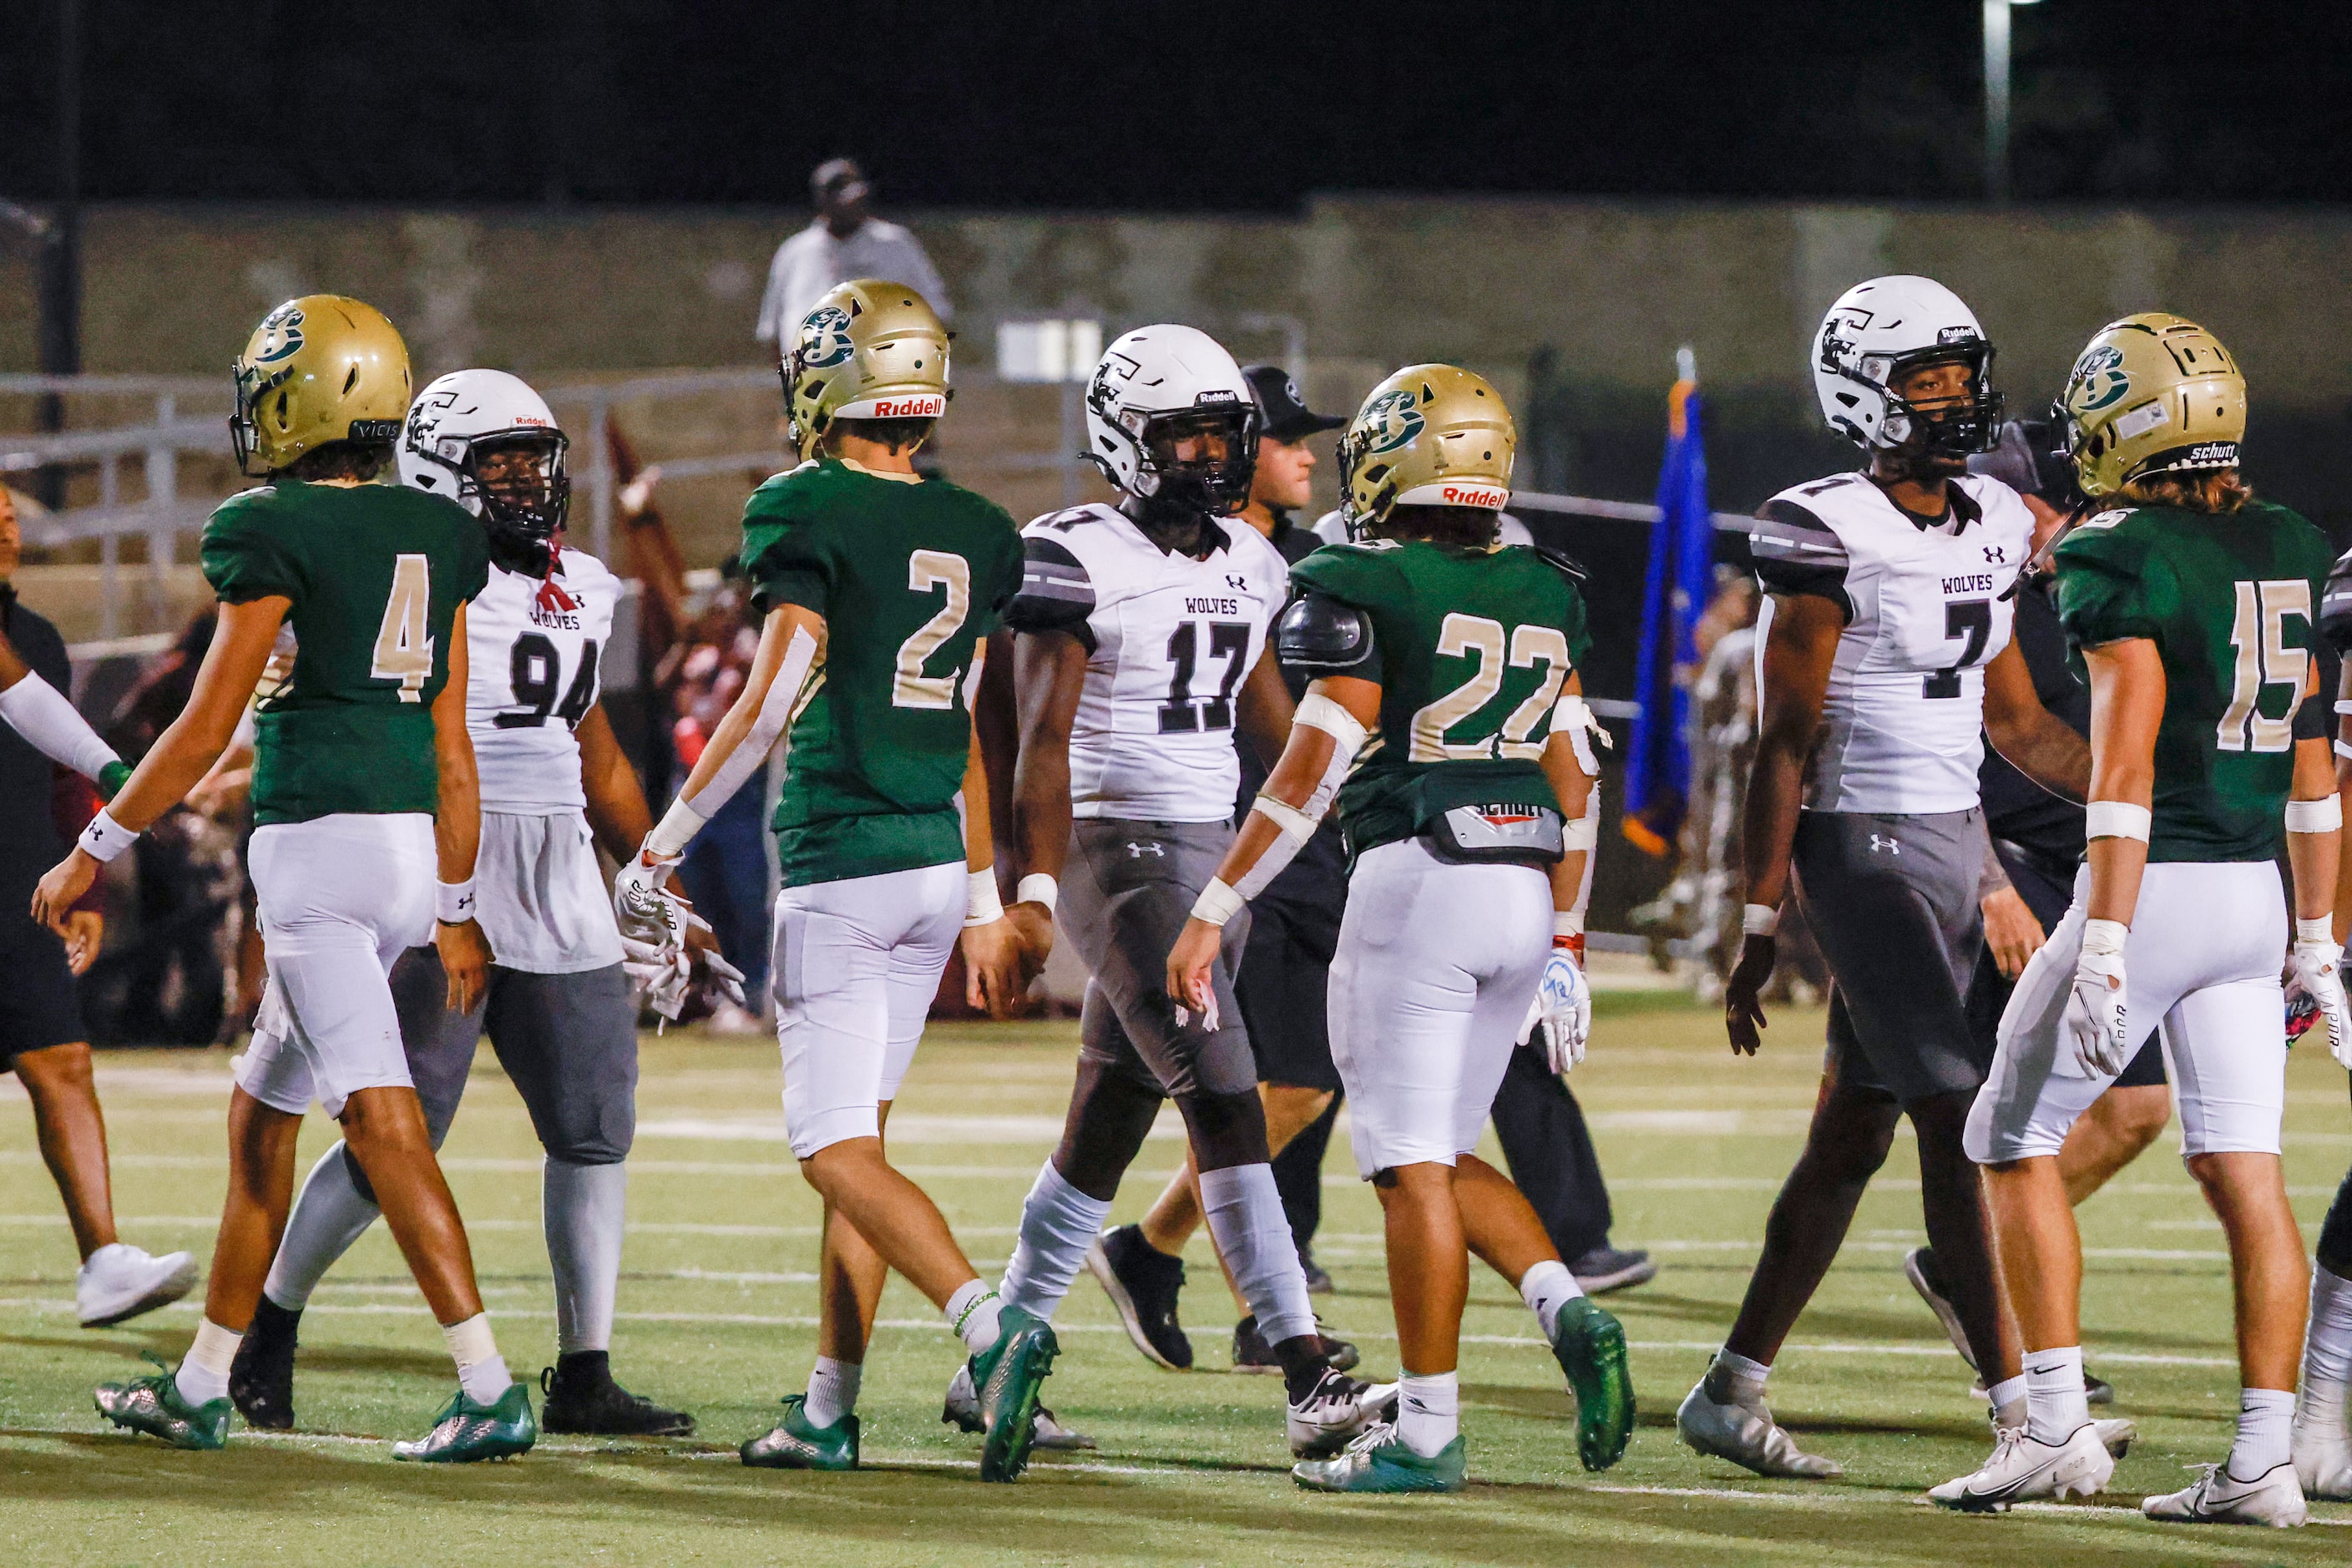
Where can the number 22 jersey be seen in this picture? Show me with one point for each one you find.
(375, 574)
(1927, 607)
(1170, 640)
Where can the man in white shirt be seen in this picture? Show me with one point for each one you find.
(846, 241)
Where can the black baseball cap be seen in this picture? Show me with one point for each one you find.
(1284, 411)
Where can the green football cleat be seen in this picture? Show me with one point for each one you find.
(1009, 1375)
(154, 1405)
(466, 1432)
(1379, 1461)
(798, 1445)
(1590, 1345)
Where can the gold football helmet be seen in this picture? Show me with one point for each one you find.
(319, 369)
(2151, 394)
(870, 350)
(1430, 434)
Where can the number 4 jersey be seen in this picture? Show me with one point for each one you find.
(375, 574)
(908, 575)
(1927, 607)
(2232, 603)
(532, 649)
(1168, 641)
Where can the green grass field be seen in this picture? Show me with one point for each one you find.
(717, 1315)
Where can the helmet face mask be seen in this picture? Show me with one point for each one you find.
(1171, 420)
(518, 484)
(1947, 429)
(1201, 460)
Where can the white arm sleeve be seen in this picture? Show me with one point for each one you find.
(1298, 823)
(689, 811)
(40, 713)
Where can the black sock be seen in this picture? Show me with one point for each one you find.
(593, 1368)
(1304, 1363)
(271, 1320)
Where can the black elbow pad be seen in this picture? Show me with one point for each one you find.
(1320, 636)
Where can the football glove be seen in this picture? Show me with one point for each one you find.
(662, 970)
(2318, 973)
(2095, 1014)
(647, 909)
(1563, 1005)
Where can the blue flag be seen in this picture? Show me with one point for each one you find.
(1681, 577)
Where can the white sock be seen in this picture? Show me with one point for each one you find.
(202, 1376)
(2054, 1404)
(584, 1210)
(2265, 1431)
(1244, 1208)
(1058, 1222)
(2008, 1399)
(832, 1391)
(481, 1371)
(329, 1214)
(1429, 1411)
(1547, 1288)
(2327, 1353)
(972, 1312)
(1734, 1380)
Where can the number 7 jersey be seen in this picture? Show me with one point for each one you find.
(1927, 607)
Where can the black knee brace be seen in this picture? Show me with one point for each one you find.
(1227, 1130)
(1110, 1115)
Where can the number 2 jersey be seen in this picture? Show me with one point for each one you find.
(375, 574)
(1471, 649)
(531, 650)
(2230, 601)
(909, 576)
(1168, 641)
(1927, 607)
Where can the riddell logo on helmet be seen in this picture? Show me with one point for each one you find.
(1471, 495)
(929, 406)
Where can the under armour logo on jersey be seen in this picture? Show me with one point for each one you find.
(1235, 581)
(1880, 841)
(1997, 555)
(1137, 851)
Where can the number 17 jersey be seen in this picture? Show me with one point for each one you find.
(1927, 606)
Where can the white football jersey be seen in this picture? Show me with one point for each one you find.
(533, 650)
(1927, 609)
(1168, 642)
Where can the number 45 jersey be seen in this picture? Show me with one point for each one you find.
(2232, 603)
(375, 574)
(1927, 607)
(532, 646)
(1168, 641)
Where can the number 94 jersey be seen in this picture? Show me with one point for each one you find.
(532, 648)
(1927, 607)
(1168, 642)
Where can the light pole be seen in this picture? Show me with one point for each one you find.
(1996, 71)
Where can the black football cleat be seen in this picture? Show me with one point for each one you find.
(581, 1399)
(1142, 1283)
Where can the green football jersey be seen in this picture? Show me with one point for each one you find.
(2232, 603)
(376, 573)
(1471, 649)
(908, 578)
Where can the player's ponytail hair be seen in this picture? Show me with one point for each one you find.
(1468, 527)
(2216, 492)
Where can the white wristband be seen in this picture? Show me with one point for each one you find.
(1217, 903)
(2322, 816)
(2115, 819)
(453, 902)
(1037, 888)
(2318, 928)
(1758, 920)
(675, 831)
(1567, 922)
(2104, 939)
(982, 902)
(105, 838)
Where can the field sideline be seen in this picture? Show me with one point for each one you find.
(717, 1314)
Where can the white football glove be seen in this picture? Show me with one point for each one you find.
(2318, 970)
(647, 910)
(2095, 1018)
(662, 972)
(1563, 1005)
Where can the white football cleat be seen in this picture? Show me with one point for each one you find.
(1748, 1436)
(120, 1281)
(2275, 1497)
(2323, 1463)
(2023, 1468)
(1334, 1412)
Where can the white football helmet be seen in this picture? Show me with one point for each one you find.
(1155, 385)
(1878, 329)
(466, 415)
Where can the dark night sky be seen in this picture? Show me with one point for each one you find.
(1207, 105)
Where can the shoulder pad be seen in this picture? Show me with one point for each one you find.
(1565, 565)
(2107, 519)
(1319, 633)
